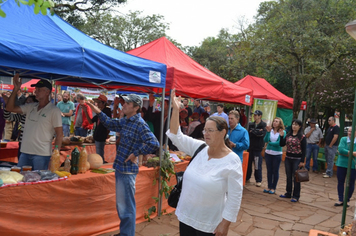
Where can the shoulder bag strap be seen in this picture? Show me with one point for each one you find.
(197, 151)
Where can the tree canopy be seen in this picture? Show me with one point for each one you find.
(124, 32)
(65, 7)
(300, 41)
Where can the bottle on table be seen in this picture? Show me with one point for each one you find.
(67, 164)
(74, 161)
(55, 161)
(83, 159)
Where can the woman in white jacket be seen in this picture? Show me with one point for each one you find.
(212, 183)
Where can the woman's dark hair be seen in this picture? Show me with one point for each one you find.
(300, 131)
(205, 115)
(221, 125)
(33, 97)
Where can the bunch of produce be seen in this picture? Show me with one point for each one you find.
(153, 162)
(10, 177)
(89, 139)
(77, 139)
(62, 173)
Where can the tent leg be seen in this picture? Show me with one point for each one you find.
(159, 210)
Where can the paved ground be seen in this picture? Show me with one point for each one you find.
(263, 214)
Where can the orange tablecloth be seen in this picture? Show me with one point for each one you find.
(82, 205)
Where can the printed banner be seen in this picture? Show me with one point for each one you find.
(92, 92)
(268, 108)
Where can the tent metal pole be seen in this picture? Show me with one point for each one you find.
(348, 173)
(168, 118)
(161, 153)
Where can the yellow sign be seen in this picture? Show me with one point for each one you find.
(268, 108)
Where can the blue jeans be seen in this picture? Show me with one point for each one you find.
(341, 178)
(272, 163)
(37, 162)
(291, 166)
(66, 131)
(254, 156)
(99, 146)
(329, 157)
(19, 152)
(78, 131)
(312, 149)
(125, 202)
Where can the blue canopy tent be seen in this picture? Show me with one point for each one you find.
(47, 47)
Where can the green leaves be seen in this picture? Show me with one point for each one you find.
(124, 32)
(2, 13)
(40, 6)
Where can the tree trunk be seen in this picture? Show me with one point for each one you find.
(296, 96)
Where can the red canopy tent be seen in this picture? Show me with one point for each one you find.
(27, 86)
(189, 78)
(264, 90)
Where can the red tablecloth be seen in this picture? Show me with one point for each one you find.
(9, 153)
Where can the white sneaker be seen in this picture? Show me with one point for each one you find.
(258, 184)
(326, 176)
(324, 173)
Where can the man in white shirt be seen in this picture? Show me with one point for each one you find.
(43, 121)
(314, 136)
(220, 112)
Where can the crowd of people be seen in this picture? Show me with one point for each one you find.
(213, 181)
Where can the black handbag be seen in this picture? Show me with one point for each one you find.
(175, 193)
(301, 175)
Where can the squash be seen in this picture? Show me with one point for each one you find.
(95, 161)
(88, 165)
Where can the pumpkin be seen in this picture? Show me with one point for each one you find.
(88, 165)
(95, 161)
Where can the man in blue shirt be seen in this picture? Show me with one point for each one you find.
(220, 112)
(238, 135)
(135, 139)
(198, 109)
(67, 108)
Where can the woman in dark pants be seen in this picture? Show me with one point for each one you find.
(342, 163)
(295, 156)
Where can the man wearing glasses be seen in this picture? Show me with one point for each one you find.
(43, 121)
(331, 143)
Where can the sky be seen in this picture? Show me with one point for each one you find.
(191, 21)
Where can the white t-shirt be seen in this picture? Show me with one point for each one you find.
(212, 189)
(273, 137)
(39, 129)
